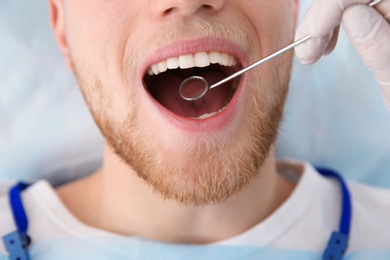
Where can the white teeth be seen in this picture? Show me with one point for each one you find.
(211, 114)
(224, 59)
(206, 115)
(155, 69)
(202, 59)
(199, 59)
(186, 61)
(214, 57)
(162, 66)
(230, 60)
(173, 63)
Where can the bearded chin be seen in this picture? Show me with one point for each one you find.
(204, 171)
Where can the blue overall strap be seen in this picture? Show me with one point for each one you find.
(18, 241)
(338, 242)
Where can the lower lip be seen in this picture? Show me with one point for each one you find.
(211, 124)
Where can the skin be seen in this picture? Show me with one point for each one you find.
(197, 184)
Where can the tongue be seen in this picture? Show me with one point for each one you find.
(165, 89)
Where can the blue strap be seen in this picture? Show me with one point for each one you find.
(17, 242)
(16, 203)
(338, 242)
(346, 205)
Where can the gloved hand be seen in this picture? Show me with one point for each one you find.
(367, 27)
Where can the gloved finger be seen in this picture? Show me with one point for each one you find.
(385, 93)
(312, 50)
(320, 22)
(384, 9)
(333, 42)
(369, 32)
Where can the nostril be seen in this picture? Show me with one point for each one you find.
(187, 8)
(207, 7)
(169, 11)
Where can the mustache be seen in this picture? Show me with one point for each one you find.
(195, 28)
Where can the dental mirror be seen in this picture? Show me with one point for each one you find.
(195, 87)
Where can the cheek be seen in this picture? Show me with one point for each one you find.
(97, 49)
(98, 40)
(273, 22)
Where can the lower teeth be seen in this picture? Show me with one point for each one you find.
(230, 96)
(210, 115)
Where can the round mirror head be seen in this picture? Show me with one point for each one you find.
(193, 88)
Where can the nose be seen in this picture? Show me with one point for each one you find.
(186, 8)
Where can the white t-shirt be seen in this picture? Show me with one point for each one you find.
(299, 229)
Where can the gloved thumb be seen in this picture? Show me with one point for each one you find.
(312, 50)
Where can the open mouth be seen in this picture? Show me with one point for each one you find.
(163, 79)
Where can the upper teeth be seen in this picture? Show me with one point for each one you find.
(199, 59)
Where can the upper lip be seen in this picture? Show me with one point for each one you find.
(193, 46)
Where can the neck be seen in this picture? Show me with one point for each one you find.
(115, 199)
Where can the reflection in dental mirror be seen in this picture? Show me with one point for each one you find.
(193, 88)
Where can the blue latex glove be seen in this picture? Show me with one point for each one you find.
(368, 29)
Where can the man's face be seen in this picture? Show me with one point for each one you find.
(194, 152)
